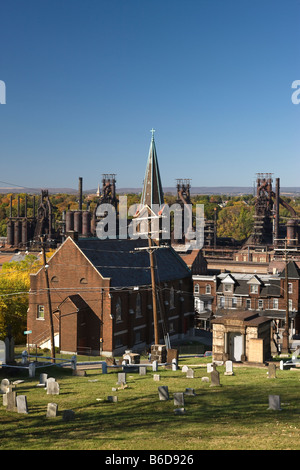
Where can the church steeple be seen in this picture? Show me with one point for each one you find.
(152, 190)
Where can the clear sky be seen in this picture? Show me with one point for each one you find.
(86, 81)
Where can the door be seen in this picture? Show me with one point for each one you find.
(236, 348)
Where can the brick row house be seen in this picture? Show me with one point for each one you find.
(101, 297)
(220, 294)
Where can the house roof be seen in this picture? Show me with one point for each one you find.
(126, 264)
(292, 271)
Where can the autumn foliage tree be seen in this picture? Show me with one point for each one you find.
(14, 292)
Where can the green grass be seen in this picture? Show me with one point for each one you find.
(232, 416)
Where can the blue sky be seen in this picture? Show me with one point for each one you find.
(86, 81)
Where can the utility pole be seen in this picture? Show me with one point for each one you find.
(49, 301)
(152, 270)
(285, 335)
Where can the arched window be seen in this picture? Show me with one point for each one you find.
(172, 298)
(119, 310)
(54, 279)
(208, 289)
(83, 280)
(138, 306)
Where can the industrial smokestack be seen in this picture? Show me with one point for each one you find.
(80, 194)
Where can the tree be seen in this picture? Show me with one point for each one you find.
(14, 291)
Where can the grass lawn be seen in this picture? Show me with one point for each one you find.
(234, 416)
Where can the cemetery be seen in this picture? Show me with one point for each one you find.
(193, 403)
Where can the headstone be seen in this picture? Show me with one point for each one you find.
(174, 364)
(184, 368)
(155, 366)
(68, 415)
(9, 350)
(43, 380)
(22, 404)
(5, 383)
(281, 365)
(190, 392)
(31, 369)
(190, 374)
(112, 398)
(2, 352)
(52, 388)
(156, 377)
(215, 378)
(209, 367)
(121, 377)
(274, 402)
(11, 397)
(228, 368)
(163, 392)
(272, 371)
(142, 370)
(179, 411)
(178, 399)
(205, 379)
(172, 354)
(24, 359)
(52, 409)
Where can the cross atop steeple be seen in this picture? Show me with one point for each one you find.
(152, 130)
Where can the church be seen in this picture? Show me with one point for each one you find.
(101, 290)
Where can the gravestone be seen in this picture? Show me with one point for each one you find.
(174, 364)
(155, 366)
(205, 379)
(9, 349)
(112, 398)
(121, 377)
(5, 383)
(215, 378)
(184, 368)
(190, 392)
(178, 399)
(228, 368)
(11, 400)
(190, 374)
(163, 392)
(142, 370)
(209, 367)
(43, 380)
(79, 372)
(52, 409)
(274, 402)
(31, 369)
(179, 411)
(172, 354)
(68, 415)
(272, 371)
(52, 387)
(156, 377)
(24, 359)
(2, 352)
(22, 404)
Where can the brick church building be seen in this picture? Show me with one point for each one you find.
(101, 295)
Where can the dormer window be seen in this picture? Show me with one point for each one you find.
(228, 287)
(254, 289)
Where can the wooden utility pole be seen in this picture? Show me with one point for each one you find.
(154, 297)
(49, 301)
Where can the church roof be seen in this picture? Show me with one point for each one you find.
(126, 264)
(152, 190)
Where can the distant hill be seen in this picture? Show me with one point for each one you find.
(225, 190)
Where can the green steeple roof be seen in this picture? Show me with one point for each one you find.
(152, 191)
